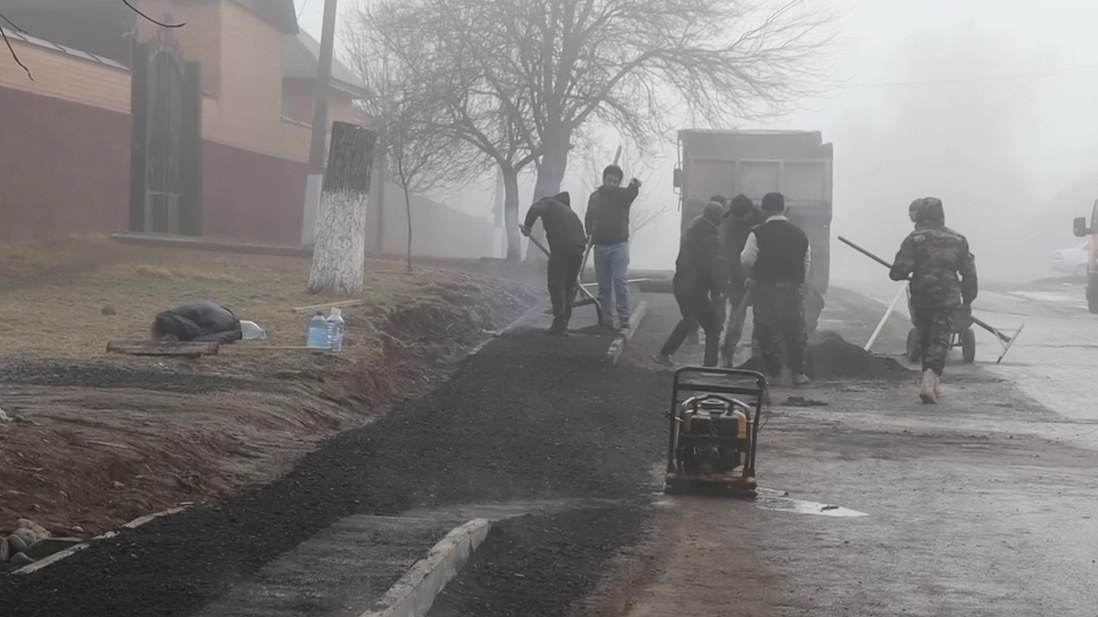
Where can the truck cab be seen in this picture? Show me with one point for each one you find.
(1082, 231)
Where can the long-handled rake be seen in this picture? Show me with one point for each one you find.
(1007, 341)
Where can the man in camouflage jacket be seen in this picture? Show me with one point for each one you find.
(942, 274)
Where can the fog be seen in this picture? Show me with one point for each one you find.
(985, 104)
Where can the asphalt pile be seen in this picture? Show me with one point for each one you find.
(529, 417)
(832, 357)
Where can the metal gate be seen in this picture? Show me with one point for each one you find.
(165, 180)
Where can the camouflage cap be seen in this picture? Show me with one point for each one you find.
(913, 209)
(930, 212)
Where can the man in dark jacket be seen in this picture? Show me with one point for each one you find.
(740, 218)
(778, 257)
(942, 274)
(196, 320)
(701, 277)
(567, 241)
(607, 222)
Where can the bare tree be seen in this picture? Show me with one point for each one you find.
(406, 114)
(631, 64)
(439, 54)
(548, 71)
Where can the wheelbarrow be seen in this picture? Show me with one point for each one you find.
(963, 336)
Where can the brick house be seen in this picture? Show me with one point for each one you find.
(202, 129)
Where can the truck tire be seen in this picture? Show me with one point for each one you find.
(1092, 293)
(968, 346)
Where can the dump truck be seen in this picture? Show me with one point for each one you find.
(1083, 231)
(797, 164)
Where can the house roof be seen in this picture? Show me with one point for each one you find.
(278, 13)
(68, 51)
(301, 59)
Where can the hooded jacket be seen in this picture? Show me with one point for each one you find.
(937, 261)
(199, 320)
(563, 228)
(701, 267)
(737, 224)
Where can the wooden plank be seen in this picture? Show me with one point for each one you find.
(340, 304)
(247, 347)
(151, 348)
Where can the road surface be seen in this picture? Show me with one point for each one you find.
(982, 505)
(1054, 360)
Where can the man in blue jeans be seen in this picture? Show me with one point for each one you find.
(607, 223)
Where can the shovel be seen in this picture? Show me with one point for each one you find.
(735, 330)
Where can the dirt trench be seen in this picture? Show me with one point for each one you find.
(93, 444)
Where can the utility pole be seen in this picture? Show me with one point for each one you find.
(320, 125)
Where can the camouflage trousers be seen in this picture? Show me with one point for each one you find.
(779, 318)
(935, 328)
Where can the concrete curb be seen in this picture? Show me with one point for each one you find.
(72, 550)
(415, 592)
(618, 346)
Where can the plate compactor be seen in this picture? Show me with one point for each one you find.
(714, 430)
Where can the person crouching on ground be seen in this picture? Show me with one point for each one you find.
(196, 320)
(777, 257)
(607, 221)
(567, 241)
(942, 274)
(701, 276)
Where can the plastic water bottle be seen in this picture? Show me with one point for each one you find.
(251, 331)
(336, 327)
(318, 332)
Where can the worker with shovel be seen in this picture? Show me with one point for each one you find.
(567, 242)
(942, 277)
(778, 257)
(701, 277)
(607, 221)
(739, 219)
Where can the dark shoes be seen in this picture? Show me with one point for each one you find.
(557, 329)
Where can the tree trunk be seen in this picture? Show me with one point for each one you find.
(339, 254)
(408, 211)
(511, 214)
(554, 162)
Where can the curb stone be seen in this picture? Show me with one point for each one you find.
(618, 346)
(415, 592)
(54, 558)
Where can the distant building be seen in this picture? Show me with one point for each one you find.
(200, 130)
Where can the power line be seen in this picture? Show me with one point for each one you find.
(301, 11)
(1083, 70)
